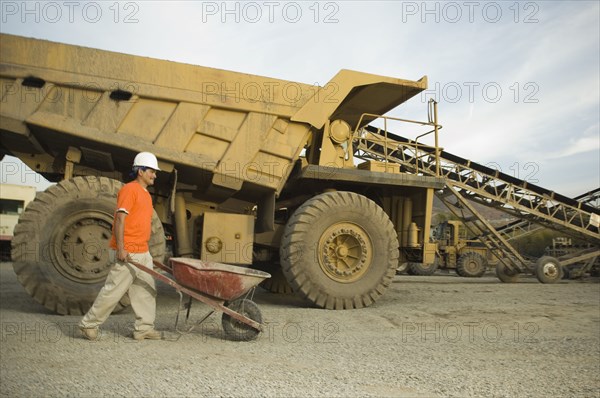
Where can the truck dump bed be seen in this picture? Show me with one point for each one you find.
(222, 130)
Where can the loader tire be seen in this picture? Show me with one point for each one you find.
(471, 265)
(339, 250)
(548, 270)
(60, 245)
(422, 268)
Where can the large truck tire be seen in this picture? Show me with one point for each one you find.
(60, 245)
(277, 283)
(471, 265)
(339, 250)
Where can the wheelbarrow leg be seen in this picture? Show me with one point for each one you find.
(179, 312)
(188, 307)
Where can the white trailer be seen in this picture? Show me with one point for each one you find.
(13, 200)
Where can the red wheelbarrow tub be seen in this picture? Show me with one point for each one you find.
(223, 281)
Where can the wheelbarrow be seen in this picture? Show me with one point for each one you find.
(220, 286)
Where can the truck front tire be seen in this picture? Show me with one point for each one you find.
(339, 250)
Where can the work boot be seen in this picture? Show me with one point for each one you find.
(89, 333)
(149, 334)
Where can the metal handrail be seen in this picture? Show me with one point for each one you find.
(436, 127)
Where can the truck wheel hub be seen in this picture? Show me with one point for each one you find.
(341, 251)
(550, 270)
(80, 246)
(345, 252)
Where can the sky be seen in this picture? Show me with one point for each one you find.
(518, 83)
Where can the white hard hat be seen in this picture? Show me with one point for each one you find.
(146, 159)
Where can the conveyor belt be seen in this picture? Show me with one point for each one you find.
(519, 228)
(469, 181)
(487, 186)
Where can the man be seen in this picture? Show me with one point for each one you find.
(130, 235)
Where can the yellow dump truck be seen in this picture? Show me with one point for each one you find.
(256, 171)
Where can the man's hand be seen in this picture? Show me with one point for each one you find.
(122, 255)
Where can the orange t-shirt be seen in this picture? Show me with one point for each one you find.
(136, 202)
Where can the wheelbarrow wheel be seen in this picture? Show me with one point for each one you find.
(237, 330)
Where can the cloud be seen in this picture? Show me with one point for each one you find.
(589, 142)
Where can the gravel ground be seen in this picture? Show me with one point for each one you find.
(428, 336)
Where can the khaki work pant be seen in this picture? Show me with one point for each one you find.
(124, 277)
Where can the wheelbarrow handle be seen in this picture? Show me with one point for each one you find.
(162, 266)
